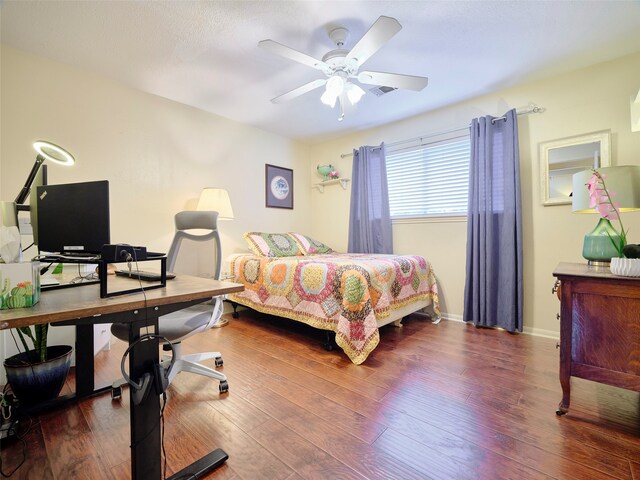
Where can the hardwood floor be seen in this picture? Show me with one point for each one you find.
(445, 401)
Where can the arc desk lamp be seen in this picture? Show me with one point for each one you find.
(46, 151)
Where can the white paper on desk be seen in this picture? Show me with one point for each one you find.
(10, 249)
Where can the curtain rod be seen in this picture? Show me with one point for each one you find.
(531, 108)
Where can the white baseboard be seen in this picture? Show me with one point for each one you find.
(452, 316)
(536, 332)
(539, 332)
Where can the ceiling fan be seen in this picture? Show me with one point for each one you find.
(340, 66)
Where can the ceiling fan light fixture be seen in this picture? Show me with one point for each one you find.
(335, 87)
(329, 98)
(354, 92)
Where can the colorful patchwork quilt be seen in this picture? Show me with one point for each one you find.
(344, 293)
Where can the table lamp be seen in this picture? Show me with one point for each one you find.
(216, 200)
(623, 182)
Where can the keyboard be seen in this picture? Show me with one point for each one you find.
(142, 275)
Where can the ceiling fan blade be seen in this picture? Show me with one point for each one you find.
(395, 80)
(380, 33)
(291, 54)
(296, 92)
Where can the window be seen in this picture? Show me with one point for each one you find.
(430, 179)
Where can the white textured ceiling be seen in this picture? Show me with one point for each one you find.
(205, 54)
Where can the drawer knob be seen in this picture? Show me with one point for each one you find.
(558, 316)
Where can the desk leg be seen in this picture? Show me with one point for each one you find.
(146, 458)
(84, 361)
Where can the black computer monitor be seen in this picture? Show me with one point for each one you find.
(73, 218)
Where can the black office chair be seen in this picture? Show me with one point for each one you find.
(182, 324)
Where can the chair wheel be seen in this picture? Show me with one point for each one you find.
(116, 393)
(219, 361)
(224, 387)
(235, 315)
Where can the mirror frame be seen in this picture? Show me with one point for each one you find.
(602, 137)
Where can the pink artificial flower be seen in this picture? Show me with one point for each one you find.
(594, 191)
(602, 200)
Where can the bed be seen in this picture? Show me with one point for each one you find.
(349, 294)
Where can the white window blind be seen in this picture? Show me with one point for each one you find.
(429, 180)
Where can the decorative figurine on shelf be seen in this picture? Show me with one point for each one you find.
(334, 175)
(325, 170)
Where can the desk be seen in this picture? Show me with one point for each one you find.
(84, 307)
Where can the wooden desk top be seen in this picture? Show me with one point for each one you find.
(84, 301)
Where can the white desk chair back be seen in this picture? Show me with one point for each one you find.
(182, 324)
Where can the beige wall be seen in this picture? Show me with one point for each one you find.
(156, 154)
(588, 100)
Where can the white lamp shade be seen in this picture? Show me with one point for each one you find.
(216, 200)
(624, 180)
(354, 93)
(329, 98)
(334, 88)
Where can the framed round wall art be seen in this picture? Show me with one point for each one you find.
(278, 187)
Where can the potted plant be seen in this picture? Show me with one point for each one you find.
(37, 374)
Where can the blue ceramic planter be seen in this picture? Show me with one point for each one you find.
(33, 383)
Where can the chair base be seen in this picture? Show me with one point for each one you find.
(184, 363)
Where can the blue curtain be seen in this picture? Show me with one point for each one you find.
(493, 290)
(369, 217)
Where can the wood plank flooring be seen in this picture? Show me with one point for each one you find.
(445, 401)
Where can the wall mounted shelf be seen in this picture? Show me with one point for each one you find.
(341, 181)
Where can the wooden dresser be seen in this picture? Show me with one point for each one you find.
(599, 328)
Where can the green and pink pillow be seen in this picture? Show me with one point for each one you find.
(309, 246)
(284, 244)
(272, 244)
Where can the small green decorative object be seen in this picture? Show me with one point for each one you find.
(325, 170)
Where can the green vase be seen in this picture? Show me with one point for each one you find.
(598, 247)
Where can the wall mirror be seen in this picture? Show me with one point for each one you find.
(560, 159)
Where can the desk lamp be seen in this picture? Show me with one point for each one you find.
(46, 151)
(622, 181)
